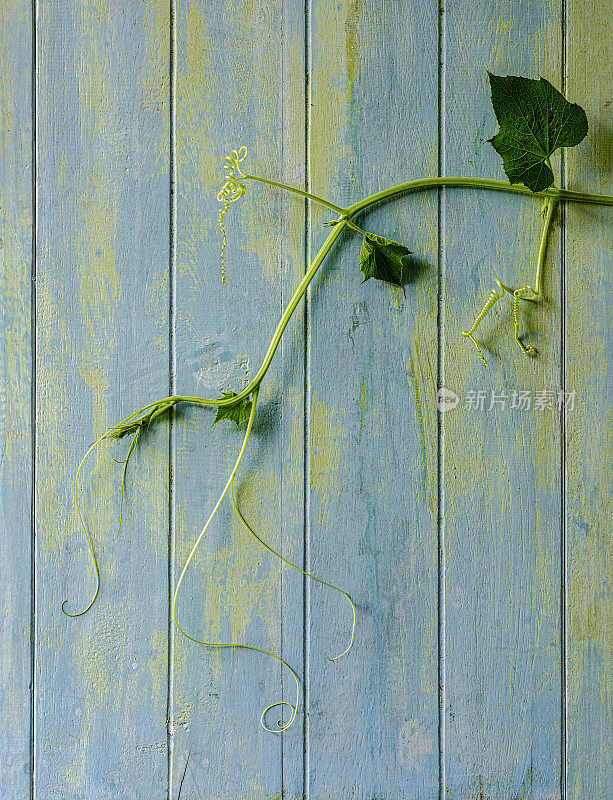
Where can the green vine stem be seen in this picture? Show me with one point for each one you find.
(531, 293)
(548, 209)
(476, 183)
(142, 419)
(423, 184)
(294, 190)
(280, 725)
(537, 123)
(346, 215)
(146, 415)
(289, 563)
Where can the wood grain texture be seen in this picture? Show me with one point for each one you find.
(502, 482)
(474, 543)
(373, 715)
(16, 288)
(588, 358)
(292, 377)
(102, 351)
(240, 81)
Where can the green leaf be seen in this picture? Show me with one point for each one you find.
(237, 412)
(535, 119)
(384, 260)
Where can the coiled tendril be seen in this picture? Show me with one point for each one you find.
(131, 426)
(230, 191)
(531, 293)
(281, 726)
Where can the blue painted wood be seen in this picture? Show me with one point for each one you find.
(373, 715)
(588, 358)
(15, 398)
(344, 97)
(502, 483)
(102, 350)
(292, 376)
(239, 81)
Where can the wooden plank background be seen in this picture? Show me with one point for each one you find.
(475, 544)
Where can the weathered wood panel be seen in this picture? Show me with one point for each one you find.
(372, 524)
(588, 355)
(102, 351)
(502, 484)
(16, 286)
(292, 377)
(240, 81)
(509, 551)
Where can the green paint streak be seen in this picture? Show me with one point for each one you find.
(55, 348)
(328, 439)
(331, 108)
(15, 247)
(350, 42)
(418, 408)
(197, 156)
(424, 392)
(155, 79)
(241, 583)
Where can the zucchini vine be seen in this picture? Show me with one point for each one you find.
(535, 120)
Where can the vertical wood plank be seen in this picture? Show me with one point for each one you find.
(16, 175)
(102, 353)
(293, 249)
(373, 715)
(240, 81)
(501, 485)
(588, 425)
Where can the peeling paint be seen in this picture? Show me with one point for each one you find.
(328, 442)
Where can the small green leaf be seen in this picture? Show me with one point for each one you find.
(384, 260)
(535, 119)
(237, 412)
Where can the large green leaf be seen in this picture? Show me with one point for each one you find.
(535, 119)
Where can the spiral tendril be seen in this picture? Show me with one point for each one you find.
(493, 298)
(133, 424)
(222, 212)
(230, 191)
(525, 293)
(531, 293)
(280, 725)
(289, 563)
(90, 544)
